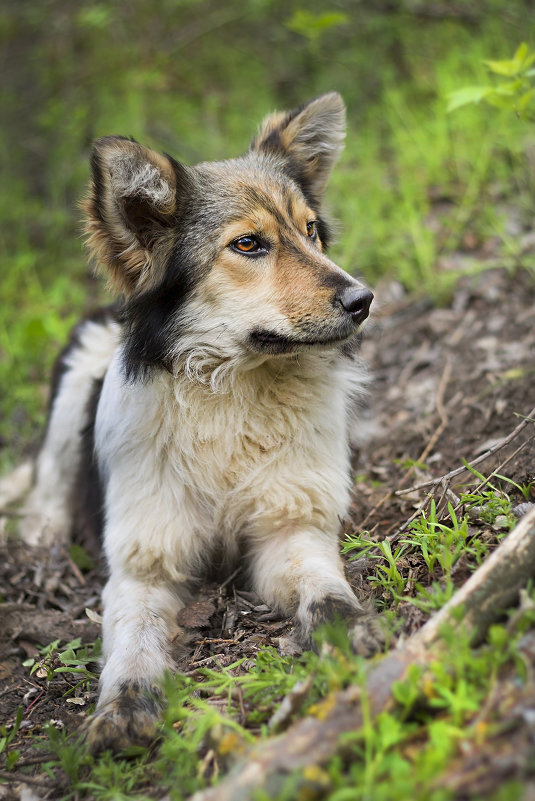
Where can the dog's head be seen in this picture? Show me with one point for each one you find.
(226, 257)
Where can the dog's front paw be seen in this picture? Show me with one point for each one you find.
(367, 634)
(130, 719)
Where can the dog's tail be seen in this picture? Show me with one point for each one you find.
(16, 484)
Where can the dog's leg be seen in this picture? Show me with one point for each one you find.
(301, 574)
(47, 514)
(47, 510)
(139, 626)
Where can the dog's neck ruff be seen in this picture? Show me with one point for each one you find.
(221, 374)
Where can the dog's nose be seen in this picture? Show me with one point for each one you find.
(357, 302)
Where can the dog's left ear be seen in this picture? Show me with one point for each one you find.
(310, 138)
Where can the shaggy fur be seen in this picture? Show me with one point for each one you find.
(209, 412)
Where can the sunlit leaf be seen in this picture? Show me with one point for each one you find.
(312, 25)
(525, 100)
(469, 94)
(508, 68)
(501, 101)
(520, 54)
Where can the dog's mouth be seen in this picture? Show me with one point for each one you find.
(264, 341)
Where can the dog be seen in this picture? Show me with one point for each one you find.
(204, 418)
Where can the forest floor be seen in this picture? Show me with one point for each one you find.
(449, 384)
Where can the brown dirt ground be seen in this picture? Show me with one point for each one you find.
(448, 384)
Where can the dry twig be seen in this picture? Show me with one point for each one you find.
(453, 473)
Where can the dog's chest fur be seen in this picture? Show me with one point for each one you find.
(269, 448)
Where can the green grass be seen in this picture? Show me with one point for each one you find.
(401, 754)
(439, 541)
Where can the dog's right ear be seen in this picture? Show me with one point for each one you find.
(130, 210)
(309, 139)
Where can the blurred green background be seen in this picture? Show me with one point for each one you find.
(422, 195)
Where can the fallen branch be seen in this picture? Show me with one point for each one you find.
(453, 473)
(314, 740)
(499, 468)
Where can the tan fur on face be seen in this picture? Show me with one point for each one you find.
(288, 283)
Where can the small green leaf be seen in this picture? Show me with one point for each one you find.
(469, 94)
(312, 25)
(521, 54)
(12, 758)
(16, 725)
(68, 657)
(35, 331)
(52, 646)
(81, 558)
(501, 101)
(525, 99)
(76, 670)
(76, 643)
(508, 68)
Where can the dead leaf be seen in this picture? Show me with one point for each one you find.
(196, 615)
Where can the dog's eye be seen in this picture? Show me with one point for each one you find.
(247, 244)
(312, 230)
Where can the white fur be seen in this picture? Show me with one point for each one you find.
(187, 468)
(15, 484)
(146, 182)
(263, 460)
(47, 514)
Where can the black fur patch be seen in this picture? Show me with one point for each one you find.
(270, 342)
(330, 609)
(135, 696)
(264, 341)
(87, 500)
(151, 321)
(324, 231)
(327, 610)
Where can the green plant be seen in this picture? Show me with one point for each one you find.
(7, 736)
(526, 490)
(312, 25)
(73, 660)
(430, 599)
(439, 543)
(514, 92)
(390, 578)
(492, 505)
(403, 752)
